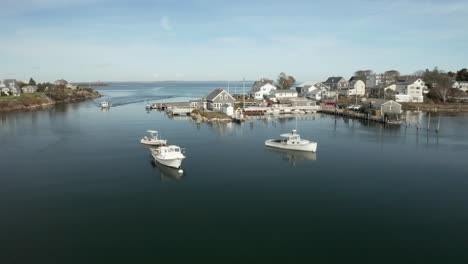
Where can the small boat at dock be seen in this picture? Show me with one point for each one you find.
(153, 140)
(170, 156)
(292, 141)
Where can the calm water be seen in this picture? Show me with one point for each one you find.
(77, 187)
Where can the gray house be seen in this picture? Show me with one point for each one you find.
(390, 107)
(218, 98)
(336, 83)
(29, 89)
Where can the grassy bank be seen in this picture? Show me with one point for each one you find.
(38, 100)
(210, 115)
(433, 107)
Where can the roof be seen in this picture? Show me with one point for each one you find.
(407, 80)
(215, 93)
(391, 102)
(258, 84)
(382, 86)
(305, 84)
(334, 79)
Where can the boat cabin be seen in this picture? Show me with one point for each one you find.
(291, 138)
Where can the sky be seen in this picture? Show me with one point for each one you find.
(192, 40)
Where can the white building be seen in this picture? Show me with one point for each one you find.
(29, 89)
(355, 87)
(313, 90)
(461, 85)
(279, 94)
(375, 80)
(227, 109)
(262, 89)
(410, 90)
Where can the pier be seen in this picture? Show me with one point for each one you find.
(330, 109)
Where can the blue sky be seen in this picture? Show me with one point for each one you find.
(143, 40)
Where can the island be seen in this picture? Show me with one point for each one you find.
(21, 96)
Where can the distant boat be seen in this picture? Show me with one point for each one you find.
(170, 156)
(292, 141)
(154, 140)
(105, 104)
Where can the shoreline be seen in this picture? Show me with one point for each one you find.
(33, 102)
(436, 108)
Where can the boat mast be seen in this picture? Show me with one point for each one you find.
(243, 94)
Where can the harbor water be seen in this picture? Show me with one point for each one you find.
(76, 186)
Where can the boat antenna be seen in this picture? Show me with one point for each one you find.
(243, 94)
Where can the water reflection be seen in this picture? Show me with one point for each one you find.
(167, 173)
(291, 156)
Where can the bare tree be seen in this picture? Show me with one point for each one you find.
(438, 81)
(285, 82)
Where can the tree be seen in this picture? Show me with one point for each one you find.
(31, 81)
(462, 75)
(362, 75)
(439, 82)
(285, 82)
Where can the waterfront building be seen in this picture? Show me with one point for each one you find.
(461, 85)
(29, 89)
(410, 89)
(391, 107)
(355, 87)
(219, 97)
(286, 93)
(262, 89)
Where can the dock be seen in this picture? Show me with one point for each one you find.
(330, 109)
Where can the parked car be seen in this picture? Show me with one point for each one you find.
(330, 103)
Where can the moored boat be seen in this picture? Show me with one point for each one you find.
(154, 140)
(292, 141)
(170, 156)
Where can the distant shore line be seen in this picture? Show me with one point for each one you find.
(38, 101)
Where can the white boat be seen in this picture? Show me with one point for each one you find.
(104, 104)
(170, 156)
(292, 141)
(154, 140)
(269, 112)
(276, 112)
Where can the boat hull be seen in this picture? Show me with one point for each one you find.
(310, 146)
(160, 142)
(173, 162)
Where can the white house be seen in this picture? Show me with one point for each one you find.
(461, 85)
(355, 87)
(29, 89)
(280, 94)
(262, 89)
(410, 90)
(227, 109)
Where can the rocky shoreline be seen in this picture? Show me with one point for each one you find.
(32, 102)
